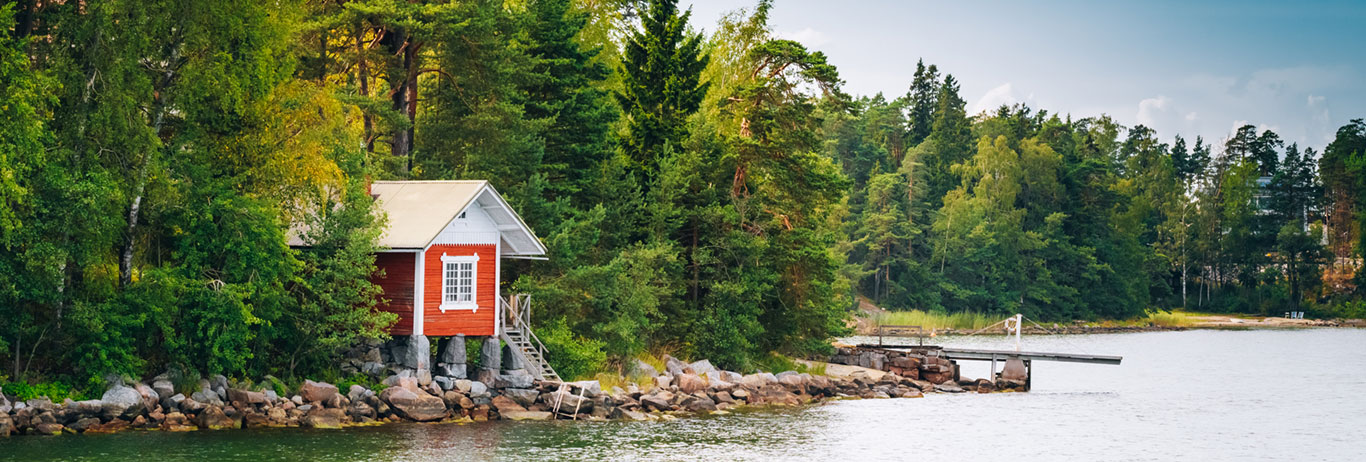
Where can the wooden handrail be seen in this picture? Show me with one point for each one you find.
(518, 316)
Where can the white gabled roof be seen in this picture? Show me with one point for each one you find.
(419, 210)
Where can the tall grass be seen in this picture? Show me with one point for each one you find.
(928, 321)
(1170, 319)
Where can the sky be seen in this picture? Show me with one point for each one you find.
(1190, 68)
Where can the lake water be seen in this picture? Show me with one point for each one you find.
(1195, 395)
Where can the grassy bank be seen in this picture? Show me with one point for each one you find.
(929, 321)
(972, 321)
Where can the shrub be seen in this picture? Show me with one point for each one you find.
(572, 357)
(55, 391)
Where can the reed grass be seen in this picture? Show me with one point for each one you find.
(929, 321)
(1170, 319)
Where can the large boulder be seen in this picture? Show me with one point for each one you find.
(663, 381)
(720, 386)
(569, 402)
(177, 422)
(732, 377)
(122, 402)
(515, 379)
(657, 401)
(478, 390)
(758, 380)
(774, 395)
(820, 384)
(150, 397)
(358, 393)
(317, 392)
(372, 368)
(698, 403)
(5, 405)
(164, 388)
(321, 417)
(414, 404)
(523, 397)
(213, 418)
(84, 424)
(643, 369)
(87, 408)
(458, 371)
(506, 404)
(6, 425)
(702, 367)
(793, 381)
(526, 415)
(948, 387)
(443, 382)
(41, 403)
(591, 388)
(676, 367)
(238, 395)
(690, 383)
(49, 428)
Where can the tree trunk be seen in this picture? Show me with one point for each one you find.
(363, 78)
(126, 255)
(696, 275)
(159, 102)
(401, 144)
(24, 19)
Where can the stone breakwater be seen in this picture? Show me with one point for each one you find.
(924, 364)
(216, 404)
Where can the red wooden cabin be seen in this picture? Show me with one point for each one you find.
(444, 246)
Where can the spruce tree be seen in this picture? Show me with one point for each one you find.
(661, 80)
(564, 92)
(924, 101)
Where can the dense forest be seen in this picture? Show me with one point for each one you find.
(714, 195)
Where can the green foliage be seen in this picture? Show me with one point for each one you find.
(370, 383)
(727, 200)
(55, 391)
(572, 356)
(775, 363)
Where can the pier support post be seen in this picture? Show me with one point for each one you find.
(453, 358)
(417, 354)
(490, 360)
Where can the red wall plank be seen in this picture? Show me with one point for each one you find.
(452, 322)
(398, 280)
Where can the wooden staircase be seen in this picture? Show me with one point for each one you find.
(522, 341)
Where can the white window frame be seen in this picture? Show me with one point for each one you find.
(448, 282)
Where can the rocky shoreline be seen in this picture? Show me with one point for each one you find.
(217, 404)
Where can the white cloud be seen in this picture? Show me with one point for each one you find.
(1315, 100)
(1151, 108)
(994, 98)
(1191, 117)
(812, 38)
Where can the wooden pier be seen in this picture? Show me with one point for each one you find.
(930, 359)
(973, 354)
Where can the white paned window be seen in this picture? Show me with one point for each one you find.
(458, 274)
